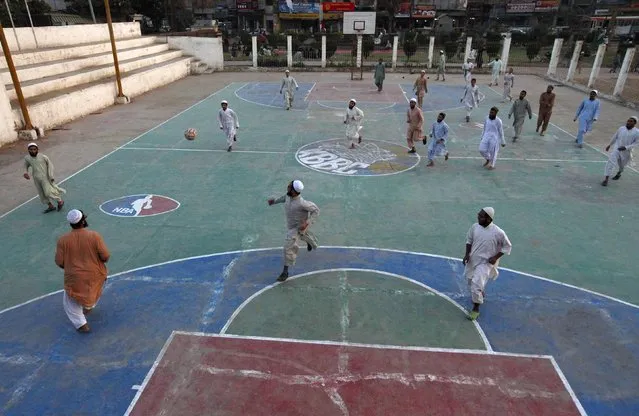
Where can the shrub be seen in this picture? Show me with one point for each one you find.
(532, 50)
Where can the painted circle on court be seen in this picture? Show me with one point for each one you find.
(142, 205)
(369, 158)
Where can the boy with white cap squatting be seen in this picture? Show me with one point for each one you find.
(622, 143)
(228, 123)
(485, 244)
(353, 120)
(289, 82)
(415, 120)
(82, 254)
(300, 214)
(42, 172)
(470, 98)
(491, 137)
(587, 113)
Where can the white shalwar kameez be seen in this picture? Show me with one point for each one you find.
(509, 83)
(467, 68)
(491, 138)
(353, 120)
(485, 242)
(228, 123)
(496, 69)
(289, 85)
(470, 98)
(618, 159)
(74, 311)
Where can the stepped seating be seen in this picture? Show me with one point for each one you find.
(61, 84)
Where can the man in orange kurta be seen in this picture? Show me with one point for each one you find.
(415, 120)
(82, 254)
(546, 103)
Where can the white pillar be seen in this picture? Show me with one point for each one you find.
(596, 66)
(289, 51)
(505, 53)
(323, 51)
(574, 60)
(359, 51)
(395, 44)
(254, 42)
(554, 58)
(623, 73)
(431, 47)
(7, 125)
(469, 45)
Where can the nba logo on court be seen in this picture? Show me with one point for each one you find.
(144, 205)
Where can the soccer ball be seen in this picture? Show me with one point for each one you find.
(190, 134)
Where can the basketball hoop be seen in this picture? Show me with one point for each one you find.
(358, 24)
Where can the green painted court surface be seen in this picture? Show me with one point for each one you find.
(561, 224)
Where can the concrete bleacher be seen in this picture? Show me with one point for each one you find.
(67, 75)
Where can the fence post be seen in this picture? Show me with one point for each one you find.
(359, 51)
(254, 49)
(554, 58)
(469, 45)
(323, 51)
(395, 44)
(596, 66)
(574, 60)
(623, 73)
(289, 51)
(431, 47)
(505, 53)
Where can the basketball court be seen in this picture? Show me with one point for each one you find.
(374, 322)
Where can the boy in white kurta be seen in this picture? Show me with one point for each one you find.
(486, 243)
(625, 139)
(42, 172)
(228, 123)
(509, 83)
(288, 82)
(491, 138)
(353, 120)
(300, 214)
(495, 66)
(470, 98)
(467, 69)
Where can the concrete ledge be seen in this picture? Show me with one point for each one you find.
(586, 90)
(78, 50)
(47, 113)
(207, 50)
(55, 36)
(48, 69)
(33, 89)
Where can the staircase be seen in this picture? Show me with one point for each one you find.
(63, 83)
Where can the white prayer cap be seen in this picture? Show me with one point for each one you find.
(224, 102)
(413, 100)
(490, 211)
(31, 144)
(635, 119)
(287, 71)
(423, 71)
(441, 51)
(595, 91)
(298, 186)
(74, 216)
(353, 100)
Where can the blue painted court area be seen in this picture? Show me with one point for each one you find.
(49, 369)
(439, 97)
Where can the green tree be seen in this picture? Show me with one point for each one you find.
(19, 12)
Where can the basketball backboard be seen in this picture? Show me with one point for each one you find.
(359, 23)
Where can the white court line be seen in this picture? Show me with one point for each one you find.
(149, 374)
(254, 250)
(574, 137)
(523, 159)
(346, 269)
(309, 92)
(374, 110)
(361, 345)
(173, 149)
(122, 146)
(568, 387)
